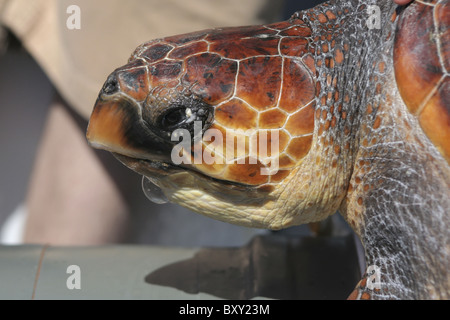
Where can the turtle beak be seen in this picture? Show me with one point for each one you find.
(108, 125)
(117, 126)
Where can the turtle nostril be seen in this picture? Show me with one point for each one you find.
(111, 85)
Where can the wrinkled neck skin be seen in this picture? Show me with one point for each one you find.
(372, 161)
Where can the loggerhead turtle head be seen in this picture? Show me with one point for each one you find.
(222, 121)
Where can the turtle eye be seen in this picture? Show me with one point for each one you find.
(174, 118)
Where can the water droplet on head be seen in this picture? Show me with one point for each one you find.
(153, 192)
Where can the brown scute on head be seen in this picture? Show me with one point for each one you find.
(243, 48)
(271, 139)
(236, 114)
(164, 72)
(260, 82)
(134, 83)
(156, 52)
(299, 147)
(294, 47)
(298, 86)
(211, 89)
(302, 122)
(191, 49)
(272, 119)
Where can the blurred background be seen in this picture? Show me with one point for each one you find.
(39, 76)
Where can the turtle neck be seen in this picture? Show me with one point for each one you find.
(396, 199)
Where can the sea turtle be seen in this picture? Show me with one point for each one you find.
(355, 97)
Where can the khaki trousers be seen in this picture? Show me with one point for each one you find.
(77, 61)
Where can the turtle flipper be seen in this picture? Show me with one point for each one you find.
(398, 205)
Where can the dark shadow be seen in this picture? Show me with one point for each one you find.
(286, 7)
(292, 6)
(276, 266)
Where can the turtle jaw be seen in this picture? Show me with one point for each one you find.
(226, 201)
(116, 126)
(148, 168)
(157, 170)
